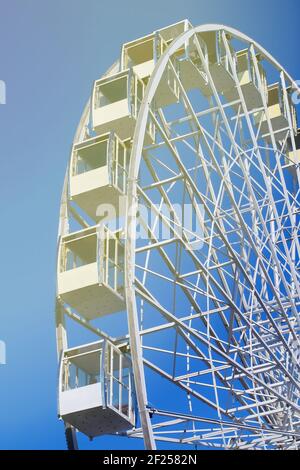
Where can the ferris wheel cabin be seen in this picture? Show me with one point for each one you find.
(98, 175)
(219, 65)
(96, 393)
(293, 156)
(91, 272)
(116, 103)
(190, 69)
(142, 54)
(251, 81)
(280, 112)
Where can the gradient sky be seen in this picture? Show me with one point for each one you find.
(50, 53)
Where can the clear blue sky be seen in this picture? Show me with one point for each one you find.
(50, 52)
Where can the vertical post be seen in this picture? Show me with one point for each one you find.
(110, 158)
(129, 395)
(111, 373)
(61, 335)
(132, 316)
(120, 382)
(273, 238)
(116, 250)
(103, 374)
(106, 255)
(61, 339)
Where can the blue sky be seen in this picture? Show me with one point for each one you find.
(50, 53)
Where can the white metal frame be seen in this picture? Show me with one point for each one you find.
(244, 289)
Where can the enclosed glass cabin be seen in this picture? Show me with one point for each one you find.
(143, 53)
(293, 155)
(249, 81)
(98, 175)
(96, 392)
(142, 56)
(116, 103)
(279, 112)
(91, 271)
(191, 70)
(219, 64)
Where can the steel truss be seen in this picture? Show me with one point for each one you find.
(213, 313)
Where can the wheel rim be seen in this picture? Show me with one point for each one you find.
(207, 311)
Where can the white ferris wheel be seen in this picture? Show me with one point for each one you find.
(178, 282)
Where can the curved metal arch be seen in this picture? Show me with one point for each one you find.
(157, 75)
(131, 204)
(136, 155)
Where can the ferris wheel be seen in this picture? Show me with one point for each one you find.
(178, 282)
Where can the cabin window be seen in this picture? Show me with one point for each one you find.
(111, 92)
(81, 370)
(79, 252)
(90, 157)
(139, 53)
